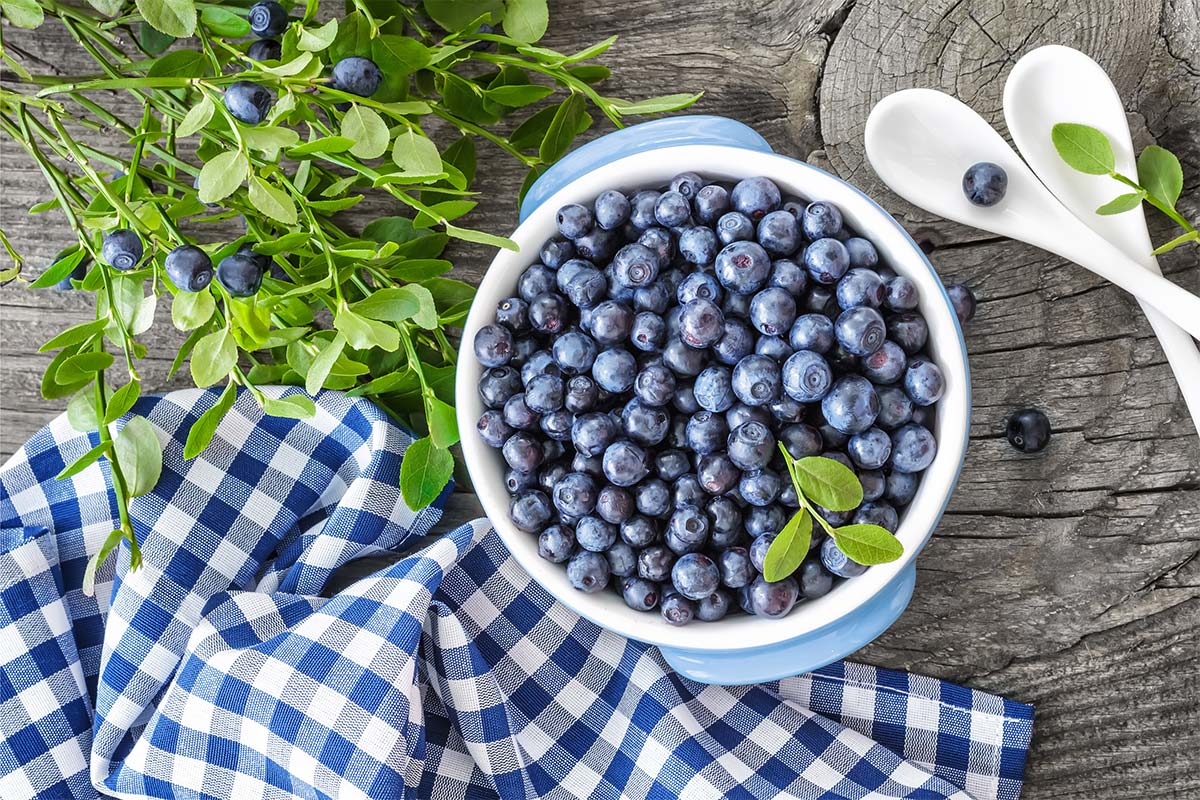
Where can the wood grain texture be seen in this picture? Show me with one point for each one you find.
(1070, 580)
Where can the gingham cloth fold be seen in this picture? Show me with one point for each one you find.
(218, 671)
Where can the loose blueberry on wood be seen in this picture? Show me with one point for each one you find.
(1028, 430)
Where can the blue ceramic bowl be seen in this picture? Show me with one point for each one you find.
(739, 649)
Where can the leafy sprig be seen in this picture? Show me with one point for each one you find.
(830, 484)
(372, 313)
(1159, 179)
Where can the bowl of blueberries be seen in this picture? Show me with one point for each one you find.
(688, 315)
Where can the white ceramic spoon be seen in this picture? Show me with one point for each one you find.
(921, 141)
(1059, 84)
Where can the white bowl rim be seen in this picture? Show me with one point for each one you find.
(722, 162)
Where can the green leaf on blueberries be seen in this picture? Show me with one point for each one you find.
(1160, 174)
(60, 269)
(180, 64)
(121, 401)
(292, 406)
(526, 20)
(1083, 148)
(202, 431)
(173, 17)
(273, 202)
(416, 155)
(789, 548)
(139, 454)
(868, 544)
(368, 131)
(1121, 203)
(828, 483)
(213, 358)
(424, 472)
(222, 175)
(398, 54)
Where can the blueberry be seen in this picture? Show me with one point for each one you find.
(743, 267)
(248, 102)
(1028, 430)
(625, 463)
(653, 497)
(698, 245)
(751, 446)
(773, 599)
(787, 274)
(877, 513)
(714, 607)
(741, 413)
(837, 562)
(695, 575)
(860, 287)
(687, 529)
(683, 359)
(684, 399)
(614, 504)
(736, 342)
(901, 294)
(860, 330)
(655, 562)
(735, 227)
(717, 473)
(556, 543)
(909, 330)
(765, 519)
(242, 276)
(513, 313)
(924, 382)
(265, 50)
(862, 252)
(267, 20)
(655, 385)
(757, 380)
(592, 465)
(672, 209)
(523, 452)
(833, 438)
(701, 323)
(713, 389)
(779, 233)
(772, 311)
(759, 548)
(698, 286)
(649, 332)
(638, 531)
(706, 432)
(963, 300)
(77, 274)
(189, 268)
(826, 261)
(643, 423)
(760, 487)
(670, 464)
(677, 609)
(580, 394)
(493, 343)
(812, 332)
(687, 184)
(574, 353)
(593, 433)
(901, 487)
(549, 313)
(725, 521)
(635, 266)
(639, 594)
(493, 429)
(815, 580)
(885, 365)
(357, 75)
(530, 510)
(985, 183)
(913, 448)
(735, 567)
(660, 241)
(540, 362)
(593, 533)
(586, 287)
(641, 214)
(549, 476)
(575, 494)
(755, 197)
(574, 220)
(122, 249)
(786, 410)
(710, 203)
(611, 210)
(851, 405)
(869, 449)
(873, 483)
(820, 300)
(614, 370)
(556, 252)
(517, 414)
(535, 281)
(821, 220)
(588, 571)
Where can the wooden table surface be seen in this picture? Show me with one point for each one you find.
(1069, 580)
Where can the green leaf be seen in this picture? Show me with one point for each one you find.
(1083, 148)
(1190, 236)
(1160, 174)
(461, 155)
(293, 406)
(828, 483)
(468, 235)
(363, 333)
(419, 269)
(190, 310)
(590, 52)
(446, 210)
(23, 13)
(151, 40)
(197, 118)
(443, 424)
(518, 96)
(1121, 203)
(109, 8)
(591, 73)
(82, 367)
(392, 229)
(562, 129)
(179, 64)
(213, 358)
(283, 244)
(320, 367)
(868, 544)
(398, 54)
(416, 155)
(270, 140)
(448, 292)
(81, 411)
(424, 472)
(222, 175)
(400, 303)
(173, 17)
(289, 68)
(89, 573)
(526, 20)
(789, 548)
(140, 456)
(202, 431)
(121, 401)
(225, 23)
(455, 15)
(328, 144)
(75, 334)
(353, 38)
(654, 105)
(368, 131)
(275, 203)
(60, 269)
(84, 461)
(316, 39)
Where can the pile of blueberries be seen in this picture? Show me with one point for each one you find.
(638, 384)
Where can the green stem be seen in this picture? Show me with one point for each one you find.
(1154, 201)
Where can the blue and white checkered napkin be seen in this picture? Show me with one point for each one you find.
(217, 670)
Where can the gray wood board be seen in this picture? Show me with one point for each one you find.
(1069, 580)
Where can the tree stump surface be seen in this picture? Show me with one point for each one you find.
(1069, 580)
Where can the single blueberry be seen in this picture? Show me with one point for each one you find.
(706, 432)
(242, 276)
(862, 252)
(776, 599)
(913, 448)
(684, 398)
(743, 267)
(902, 294)
(540, 362)
(614, 504)
(963, 300)
(593, 533)
(592, 433)
(985, 183)
(812, 332)
(625, 463)
(773, 310)
(683, 359)
(710, 203)
(873, 483)
(765, 519)
(639, 594)
(760, 487)
(806, 376)
(779, 233)
(688, 491)
(736, 569)
(267, 19)
(837, 562)
(611, 209)
(517, 414)
(687, 529)
(860, 287)
(909, 330)
(787, 274)
(751, 446)
(695, 575)
(821, 220)
(641, 214)
(598, 245)
(860, 330)
(687, 184)
(653, 497)
(735, 227)
(759, 548)
(851, 405)
(575, 494)
(635, 266)
(614, 370)
(715, 606)
(492, 428)
(901, 487)
(1028, 430)
(713, 389)
(580, 394)
(556, 252)
(544, 394)
(493, 343)
(122, 249)
(655, 562)
(189, 268)
(645, 424)
(655, 385)
(265, 50)
(698, 286)
(523, 452)
(649, 332)
(588, 571)
(530, 510)
(357, 75)
(574, 220)
(786, 410)
(737, 341)
(638, 531)
(815, 580)
(556, 543)
(534, 281)
(513, 313)
(248, 102)
(557, 425)
(677, 609)
(869, 449)
(826, 261)
(698, 245)
(717, 473)
(671, 464)
(756, 197)
(549, 313)
(885, 365)
(497, 385)
(725, 522)
(877, 513)
(701, 323)
(757, 380)
(672, 209)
